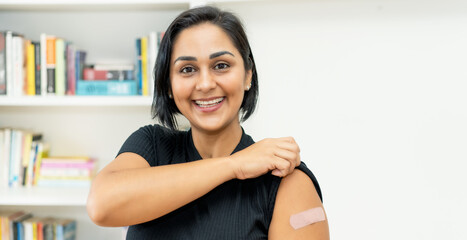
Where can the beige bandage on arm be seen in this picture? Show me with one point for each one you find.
(307, 217)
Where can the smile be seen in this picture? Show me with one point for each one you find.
(210, 103)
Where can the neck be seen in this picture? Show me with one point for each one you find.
(219, 143)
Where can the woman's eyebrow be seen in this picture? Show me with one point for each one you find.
(217, 54)
(213, 55)
(185, 58)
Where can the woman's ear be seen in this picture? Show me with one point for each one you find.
(248, 77)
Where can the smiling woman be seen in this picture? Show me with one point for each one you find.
(212, 181)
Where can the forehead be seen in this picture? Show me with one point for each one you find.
(202, 39)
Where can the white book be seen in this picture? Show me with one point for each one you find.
(43, 43)
(152, 54)
(9, 63)
(5, 154)
(18, 65)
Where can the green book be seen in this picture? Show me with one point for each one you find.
(60, 67)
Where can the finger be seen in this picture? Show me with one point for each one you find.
(282, 165)
(289, 146)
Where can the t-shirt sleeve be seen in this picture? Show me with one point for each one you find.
(141, 142)
(308, 172)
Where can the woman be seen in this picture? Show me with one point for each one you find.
(213, 181)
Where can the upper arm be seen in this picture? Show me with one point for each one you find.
(296, 194)
(127, 160)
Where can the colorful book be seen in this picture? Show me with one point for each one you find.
(50, 56)
(93, 74)
(2, 63)
(108, 87)
(71, 69)
(37, 67)
(79, 65)
(144, 66)
(31, 73)
(60, 67)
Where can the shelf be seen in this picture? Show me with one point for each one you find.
(60, 5)
(28, 101)
(42, 196)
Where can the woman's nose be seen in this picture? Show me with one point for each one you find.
(205, 82)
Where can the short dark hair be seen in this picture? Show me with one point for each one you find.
(163, 107)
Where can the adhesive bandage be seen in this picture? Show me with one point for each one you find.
(307, 217)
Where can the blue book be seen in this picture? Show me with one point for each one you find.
(106, 87)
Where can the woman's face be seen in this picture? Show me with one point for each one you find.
(208, 77)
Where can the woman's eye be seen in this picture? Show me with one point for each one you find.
(187, 70)
(221, 66)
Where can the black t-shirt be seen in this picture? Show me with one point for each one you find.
(236, 209)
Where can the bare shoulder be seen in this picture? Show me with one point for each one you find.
(296, 194)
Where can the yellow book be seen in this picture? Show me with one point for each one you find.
(27, 143)
(144, 63)
(30, 73)
(42, 152)
(34, 230)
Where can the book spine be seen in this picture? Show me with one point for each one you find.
(51, 65)
(2, 63)
(139, 76)
(18, 63)
(93, 74)
(144, 65)
(43, 57)
(9, 62)
(31, 73)
(59, 67)
(5, 154)
(152, 54)
(109, 87)
(71, 68)
(37, 67)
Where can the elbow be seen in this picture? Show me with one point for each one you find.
(95, 211)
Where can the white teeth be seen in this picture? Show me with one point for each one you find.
(209, 103)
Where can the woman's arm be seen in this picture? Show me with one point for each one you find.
(296, 194)
(128, 191)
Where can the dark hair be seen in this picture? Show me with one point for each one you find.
(163, 107)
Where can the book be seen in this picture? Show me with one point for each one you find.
(108, 87)
(18, 64)
(71, 69)
(90, 73)
(5, 157)
(152, 54)
(43, 69)
(79, 65)
(50, 58)
(31, 73)
(144, 66)
(65, 229)
(139, 76)
(2, 63)
(60, 71)
(37, 68)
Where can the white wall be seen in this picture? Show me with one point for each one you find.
(375, 92)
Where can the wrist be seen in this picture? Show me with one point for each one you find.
(230, 166)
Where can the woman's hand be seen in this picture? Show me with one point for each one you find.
(281, 155)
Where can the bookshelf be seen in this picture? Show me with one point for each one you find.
(44, 196)
(49, 101)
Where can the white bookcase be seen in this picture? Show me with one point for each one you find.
(78, 125)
